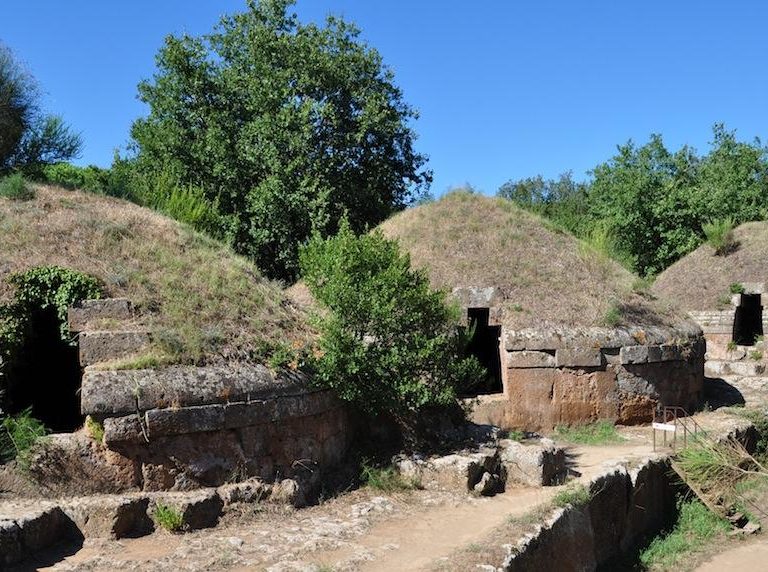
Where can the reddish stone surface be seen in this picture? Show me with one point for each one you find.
(540, 398)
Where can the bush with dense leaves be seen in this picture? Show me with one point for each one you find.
(389, 343)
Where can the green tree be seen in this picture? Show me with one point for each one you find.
(562, 200)
(29, 138)
(734, 178)
(388, 342)
(285, 126)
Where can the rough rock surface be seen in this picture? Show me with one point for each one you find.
(109, 516)
(535, 464)
(26, 529)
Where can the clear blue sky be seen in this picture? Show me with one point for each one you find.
(505, 89)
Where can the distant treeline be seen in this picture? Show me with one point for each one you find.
(647, 206)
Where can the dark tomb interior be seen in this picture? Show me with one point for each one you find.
(45, 375)
(484, 345)
(748, 322)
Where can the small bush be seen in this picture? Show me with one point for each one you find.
(90, 178)
(736, 288)
(14, 187)
(19, 434)
(389, 343)
(756, 355)
(695, 528)
(719, 235)
(512, 434)
(599, 433)
(732, 345)
(385, 479)
(573, 495)
(170, 518)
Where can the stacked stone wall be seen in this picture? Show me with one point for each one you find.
(563, 378)
(183, 427)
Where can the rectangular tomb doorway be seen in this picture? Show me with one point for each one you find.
(748, 321)
(484, 345)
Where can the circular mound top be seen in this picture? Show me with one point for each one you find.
(543, 276)
(201, 302)
(702, 280)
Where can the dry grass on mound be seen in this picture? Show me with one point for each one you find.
(547, 276)
(702, 280)
(202, 302)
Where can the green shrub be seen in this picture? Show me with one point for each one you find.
(18, 435)
(40, 288)
(388, 342)
(756, 355)
(737, 288)
(90, 178)
(54, 287)
(573, 495)
(385, 479)
(14, 187)
(719, 235)
(732, 345)
(170, 518)
(599, 433)
(695, 528)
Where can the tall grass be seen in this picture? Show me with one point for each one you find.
(696, 527)
(18, 435)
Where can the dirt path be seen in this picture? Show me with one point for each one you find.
(413, 542)
(748, 557)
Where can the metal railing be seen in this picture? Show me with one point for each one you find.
(672, 419)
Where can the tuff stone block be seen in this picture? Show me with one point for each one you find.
(90, 311)
(529, 358)
(96, 347)
(579, 357)
(634, 354)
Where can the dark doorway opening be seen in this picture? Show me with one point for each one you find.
(484, 345)
(748, 322)
(45, 374)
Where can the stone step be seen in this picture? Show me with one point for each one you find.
(90, 312)
(28, 527)
(718, 368)
(102, 346)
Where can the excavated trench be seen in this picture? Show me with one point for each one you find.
(629, 506)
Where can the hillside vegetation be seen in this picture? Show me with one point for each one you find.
(202, 303)
(702, 280)
(546, 275)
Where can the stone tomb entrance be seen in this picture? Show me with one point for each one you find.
(484, 345)
(748, 320)
(45, 375)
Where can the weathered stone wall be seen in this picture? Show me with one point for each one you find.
(558, 377)
(182, 427)
(626, 507)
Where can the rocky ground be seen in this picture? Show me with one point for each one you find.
(367, 529)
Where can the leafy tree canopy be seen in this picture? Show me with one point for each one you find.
(652, 202)
(285, 126)
(29, 138)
